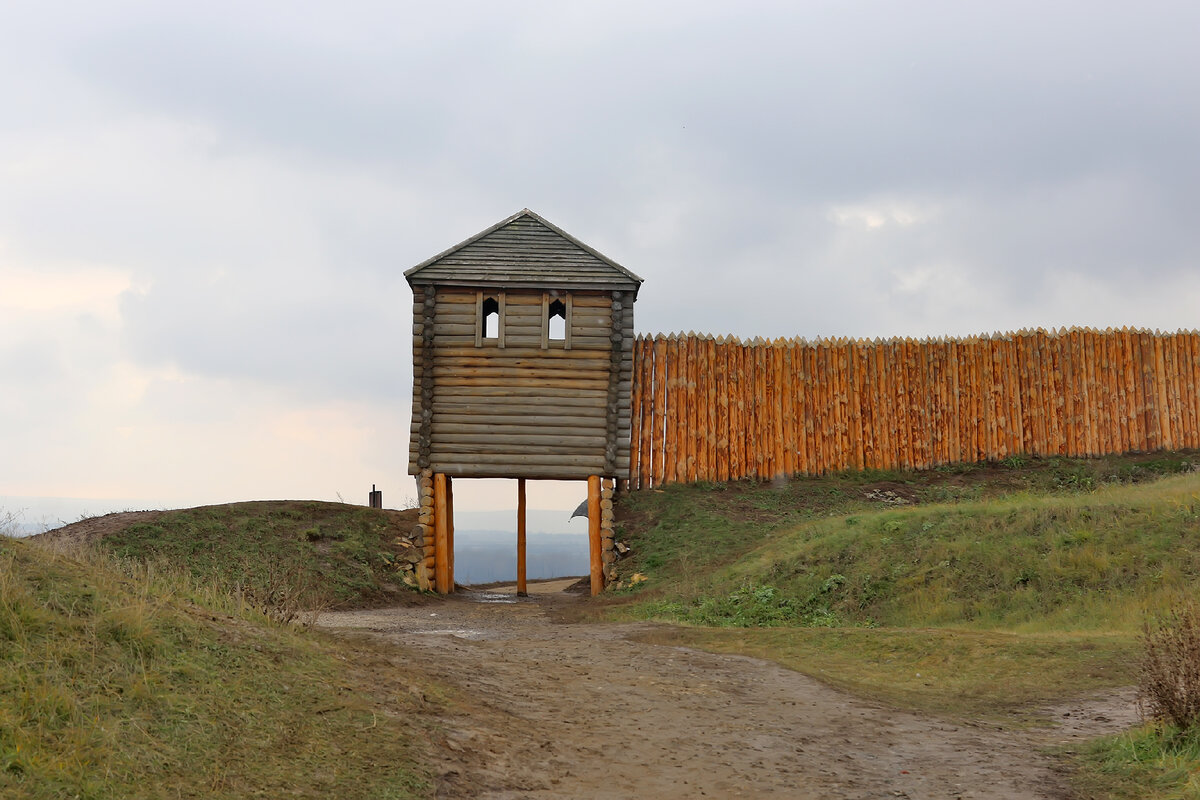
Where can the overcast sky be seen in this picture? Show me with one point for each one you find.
(206, 208)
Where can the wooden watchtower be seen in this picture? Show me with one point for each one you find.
(522, 368)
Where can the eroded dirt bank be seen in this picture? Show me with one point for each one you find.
(554, 710)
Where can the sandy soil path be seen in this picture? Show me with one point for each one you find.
(559, 710)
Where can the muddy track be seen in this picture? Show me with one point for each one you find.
(562, 710)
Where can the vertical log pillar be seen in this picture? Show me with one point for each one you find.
(450, 528)
(521, 588)
(594, 542)
(441, 536)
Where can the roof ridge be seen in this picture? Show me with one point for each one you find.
(525, 212)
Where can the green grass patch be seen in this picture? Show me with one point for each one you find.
(1091, 561)
(1148, 763)
(114, 682)
(961, 673)
(310, 553)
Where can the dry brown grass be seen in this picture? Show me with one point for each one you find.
(1169, 678)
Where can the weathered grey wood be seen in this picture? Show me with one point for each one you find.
(515, 450)
(531, 471)
(524, 352)
(460, 403)
(513, 379)
(518, 396)
(538, 439)
(527, 419)
(519, 391)
(544, 459)
(441, 430)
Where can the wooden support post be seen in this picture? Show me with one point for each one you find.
(594, 544)
(450, 528)
(521, 589)
(441, 536)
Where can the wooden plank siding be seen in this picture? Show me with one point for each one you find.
(520, 403)
(513, 407)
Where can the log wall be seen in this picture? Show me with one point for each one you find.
(518, 404)
(718, 409)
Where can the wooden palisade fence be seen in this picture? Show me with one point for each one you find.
(715, 409)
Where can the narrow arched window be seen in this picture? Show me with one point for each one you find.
(556, 320)
(489, 318)
(556, 323)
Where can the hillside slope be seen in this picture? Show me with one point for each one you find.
(117, 682)
(282, 552)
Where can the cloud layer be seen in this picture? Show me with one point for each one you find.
(205, 212)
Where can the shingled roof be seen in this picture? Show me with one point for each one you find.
(524, 251)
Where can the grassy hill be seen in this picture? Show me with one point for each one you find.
(979, 591)
(281, 555)
(127, 681)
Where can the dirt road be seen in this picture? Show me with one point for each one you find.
(559, 710)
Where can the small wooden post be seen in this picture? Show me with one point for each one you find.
(594, 543)
(521, 589)
(441, 536)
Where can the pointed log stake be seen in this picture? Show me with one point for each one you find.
(441, 538)
(521, 589)
(594, 543)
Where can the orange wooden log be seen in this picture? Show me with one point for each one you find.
(1166, 440)
(1173, 361)
(954, 402)
(704, 429)
(821, 413)
(635, 416)
(595, 545)
(761, 443)
(709, 382)
(1055, 386)
(1078, 378)
(737, 421)
(522, 589)
(441, 536)
(1043, 411)
(1129, 391)
(721, 369)
(816, 409)
(450, 527)
(923, 405)
(858, 443)
(1026, 393)
(787, 397)
(1104, 430)
(1016, 436)
(1090, 394)
(775, 354)
(1190, 376)
(841, 404)
(881, 414)
(749, 388)
(678, 402)
(649, 419)
(801, 401)
(1116, 397)
(691, 354)
(658, 435)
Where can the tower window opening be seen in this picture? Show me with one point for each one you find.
(491, 318)
(557, 321)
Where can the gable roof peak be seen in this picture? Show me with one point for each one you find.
(524, 249)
